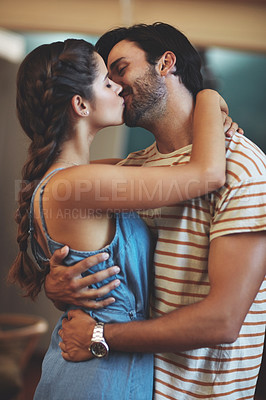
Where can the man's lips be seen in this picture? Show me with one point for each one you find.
(125, 97)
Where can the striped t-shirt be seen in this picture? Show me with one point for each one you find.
(226, 371)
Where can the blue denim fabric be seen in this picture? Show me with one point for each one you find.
(125, 376)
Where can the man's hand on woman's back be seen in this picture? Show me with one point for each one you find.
(65, 285)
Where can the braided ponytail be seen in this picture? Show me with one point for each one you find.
(47, 80)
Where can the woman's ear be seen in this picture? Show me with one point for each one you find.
(79, 106)
(166, 63)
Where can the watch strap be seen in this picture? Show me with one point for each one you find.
(98, 332)
(98, 347)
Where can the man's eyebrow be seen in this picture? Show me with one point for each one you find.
(113, 65)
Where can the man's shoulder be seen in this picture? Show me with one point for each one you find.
(245, 160)
(239, 205)
(139, 157)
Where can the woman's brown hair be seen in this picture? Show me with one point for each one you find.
(47, 80)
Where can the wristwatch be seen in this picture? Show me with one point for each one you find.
(99, 348)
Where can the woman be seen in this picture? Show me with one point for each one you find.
(64, 97)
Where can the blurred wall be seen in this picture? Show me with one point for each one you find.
(231, 23)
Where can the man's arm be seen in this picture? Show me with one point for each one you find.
(64, 285)
(237, 266)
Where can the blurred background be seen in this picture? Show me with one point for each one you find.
(229, 34)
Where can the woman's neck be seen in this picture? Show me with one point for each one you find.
(76, 150)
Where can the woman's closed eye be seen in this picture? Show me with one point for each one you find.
(108, 84)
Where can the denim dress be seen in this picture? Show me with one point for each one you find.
(120, 376)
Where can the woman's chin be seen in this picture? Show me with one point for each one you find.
(120, 121)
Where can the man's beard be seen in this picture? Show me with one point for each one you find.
(148, 101)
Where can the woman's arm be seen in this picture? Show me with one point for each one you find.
(110, 161)
(110, 187)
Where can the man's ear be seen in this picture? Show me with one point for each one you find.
(166, 63)
(79, 106)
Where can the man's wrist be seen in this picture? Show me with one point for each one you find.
(98, 346)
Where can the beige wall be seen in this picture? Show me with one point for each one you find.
(230, 23)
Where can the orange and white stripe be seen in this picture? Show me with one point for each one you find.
(224, 372)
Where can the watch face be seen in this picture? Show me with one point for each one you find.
(98, 349)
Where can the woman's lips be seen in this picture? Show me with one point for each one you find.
(125, 97)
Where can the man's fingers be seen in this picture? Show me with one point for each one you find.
(64, 321)
(62, 346)
(66, 356)
(76, 357)
(100, 276)
(94, 294)
(74, 313)
(96, 305)
(97, 277)
(81, 266)
(59, 256)
(87, 263)
(86, 298)
(67, 285)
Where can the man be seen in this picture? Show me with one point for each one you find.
(210, 257)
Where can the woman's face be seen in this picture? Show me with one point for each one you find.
(107, 106)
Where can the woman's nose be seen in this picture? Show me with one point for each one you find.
(119, 88)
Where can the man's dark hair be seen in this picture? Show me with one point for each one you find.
(155, 40)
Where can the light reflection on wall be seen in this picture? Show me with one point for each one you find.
(34, 39)
(241, 80)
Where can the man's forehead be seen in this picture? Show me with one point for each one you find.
(124, 50)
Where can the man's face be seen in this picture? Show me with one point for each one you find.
(143, 89)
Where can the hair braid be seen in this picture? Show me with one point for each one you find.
(47, 80)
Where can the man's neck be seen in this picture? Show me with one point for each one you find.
(171, 136)
(174, 129)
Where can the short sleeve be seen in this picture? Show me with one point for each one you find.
(240, 208)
